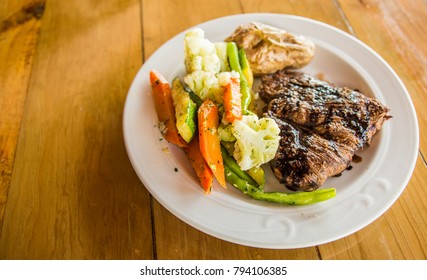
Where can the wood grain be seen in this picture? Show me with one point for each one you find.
(19, 30)
(401, 233)
(67, 188)
(177, 240)
(325, 11)
(400, 40)
(73, 193)
(172, 17)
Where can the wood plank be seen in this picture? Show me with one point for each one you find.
(324, 11)
(19, 30)
(401, 233)
(73, 193)
(396, 29)
(173, 17)
(175, 239)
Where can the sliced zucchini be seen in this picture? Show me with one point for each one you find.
(185, 111)
(196, 99)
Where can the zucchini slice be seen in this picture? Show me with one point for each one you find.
(185, 111)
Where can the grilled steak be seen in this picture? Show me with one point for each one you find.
(322, 126)
(305, 160)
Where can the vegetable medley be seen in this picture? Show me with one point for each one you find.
(210, 115)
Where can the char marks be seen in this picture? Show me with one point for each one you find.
(322, 125)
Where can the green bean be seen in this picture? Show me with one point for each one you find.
(246, 67)
(299, 198)
(232, 164)
(233, 60)
(194, 96)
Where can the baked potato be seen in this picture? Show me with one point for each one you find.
(270, 49)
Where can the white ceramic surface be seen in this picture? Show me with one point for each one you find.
(363, 193)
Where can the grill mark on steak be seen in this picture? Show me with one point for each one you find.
(305, 160)
(321, 126)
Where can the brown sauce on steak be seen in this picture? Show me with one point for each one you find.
(322, 126)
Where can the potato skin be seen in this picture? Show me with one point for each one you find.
(270, 49)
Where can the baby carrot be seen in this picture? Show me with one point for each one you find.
(202, 169)
(208, 122)
(233, 101)
(165, 109)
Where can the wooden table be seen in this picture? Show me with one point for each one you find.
(67, 188)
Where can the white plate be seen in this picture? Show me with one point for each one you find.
(363, 193)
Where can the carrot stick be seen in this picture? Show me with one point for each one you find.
(202, 169)
(165, 109)
(233, 101)
(208, 122)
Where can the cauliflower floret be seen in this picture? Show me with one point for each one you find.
(208, 85)
(205, 85)
(221, 51)
(224, 77)
(257, 141)
(200, 53)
